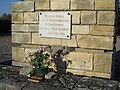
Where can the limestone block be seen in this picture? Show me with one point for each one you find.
(31, 46)
(31, 17)
(82, 4)
(23, 6)
(26, 70)
(103, 62)
(88, 50)
(20, 27)
(106, 18)
(49, 75)
(80, 29)
(29, 50)
(18, 54)
(33, 28)
(75, 71)
(42, 5)
(20, 64)
(70, 42)
(60, 4)
(88, 17)
(17, 17)
(97, 74)
(104, 4)
(75, 17)
(36, 39)
(29, 0)
(96, 42)
(102, 30)
(80, 60)
(21, 38)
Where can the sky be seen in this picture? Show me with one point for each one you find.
(5, 6)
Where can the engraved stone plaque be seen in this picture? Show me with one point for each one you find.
(55, 24)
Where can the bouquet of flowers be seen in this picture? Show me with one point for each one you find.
(39, 59)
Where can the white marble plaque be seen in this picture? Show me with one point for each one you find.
(55, 24)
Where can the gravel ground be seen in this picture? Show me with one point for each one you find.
(10, 79)
(65, 82)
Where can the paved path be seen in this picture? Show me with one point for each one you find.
(5, 45)
(5, 48)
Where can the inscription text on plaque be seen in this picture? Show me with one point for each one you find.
(55, 24)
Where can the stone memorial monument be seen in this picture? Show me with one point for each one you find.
(87, 26)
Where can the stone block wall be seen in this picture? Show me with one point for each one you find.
(92, 33)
